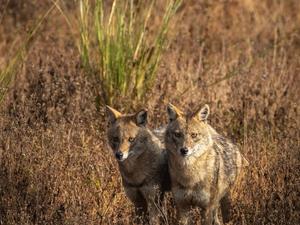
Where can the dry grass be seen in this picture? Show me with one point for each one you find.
(55, 165)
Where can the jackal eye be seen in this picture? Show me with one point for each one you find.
(131, 139)
(194, 135)
(177, 134)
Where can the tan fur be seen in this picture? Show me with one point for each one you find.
(144, 171)
(203, 166)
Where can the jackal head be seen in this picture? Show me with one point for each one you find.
(126, 133)
(187, 135)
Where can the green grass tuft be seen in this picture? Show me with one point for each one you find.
(117, 47)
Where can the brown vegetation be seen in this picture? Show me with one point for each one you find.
(241, 57)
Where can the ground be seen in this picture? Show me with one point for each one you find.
(241, 57)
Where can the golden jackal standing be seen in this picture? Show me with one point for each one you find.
(142, 161)
(203, 165)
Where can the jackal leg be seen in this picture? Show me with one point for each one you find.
(209, 216)
(183, 215)
(140, 205)
(225, 208)
(154, 206)
(216, 220)
(154, 213)
(140, 214)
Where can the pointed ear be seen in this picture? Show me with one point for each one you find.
(173, 112)
(203, 113)
(112, 114)
(141, 117)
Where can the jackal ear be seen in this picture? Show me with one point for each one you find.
(173, 112)
(141, 117)
(203, 113)
(112, 114)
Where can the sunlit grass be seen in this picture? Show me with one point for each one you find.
(117, 47)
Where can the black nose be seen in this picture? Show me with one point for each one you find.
(119, 155)
(184, 151)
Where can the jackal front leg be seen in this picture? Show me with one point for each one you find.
(226, 208)
(140, 205)
(154, 206)
(209, 216)
(154, 213)
(183, 215)
(216, 220)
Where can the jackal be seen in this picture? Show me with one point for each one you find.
(203, 165)
(142, 161)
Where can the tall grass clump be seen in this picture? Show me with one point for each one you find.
(116, 46)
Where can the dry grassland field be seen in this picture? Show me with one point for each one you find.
(241, 57)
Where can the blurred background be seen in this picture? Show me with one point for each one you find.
(62, 61)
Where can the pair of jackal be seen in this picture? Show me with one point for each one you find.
(187, 157)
